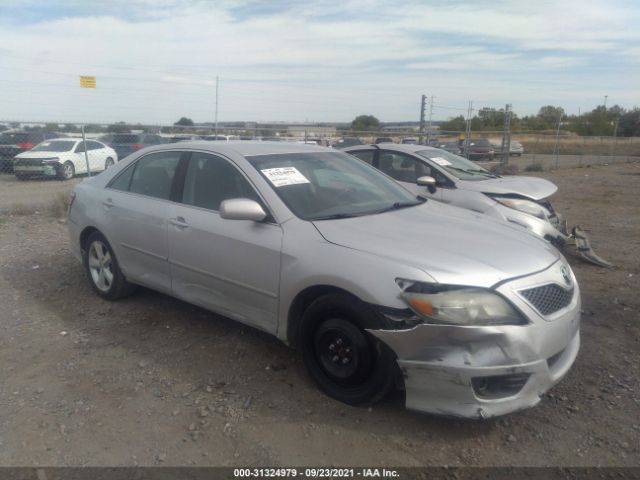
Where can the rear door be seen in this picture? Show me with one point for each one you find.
(228, 266)
(136, 208)
(97, 155)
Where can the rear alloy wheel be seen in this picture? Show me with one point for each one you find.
(67, 171)
(346, 362)
(103, 270)
(108, 163)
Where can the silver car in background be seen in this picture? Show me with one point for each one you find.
(519, 200)
(374, 285)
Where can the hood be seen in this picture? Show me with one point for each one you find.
(44, 154)
(450, 244)
(529, 187)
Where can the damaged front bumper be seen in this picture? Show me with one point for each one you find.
(554, 229)
(485, 371)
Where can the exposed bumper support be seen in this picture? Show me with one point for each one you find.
(584, 248)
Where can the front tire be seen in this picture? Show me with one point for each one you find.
(67, 171)
(346, 362)
(102, 269)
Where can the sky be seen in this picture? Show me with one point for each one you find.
(316, 61)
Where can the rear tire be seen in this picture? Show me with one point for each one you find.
(348, 363)
(108, 163)
(102, 269)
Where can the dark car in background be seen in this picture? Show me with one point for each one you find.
(14, 143)
(127, 143)
(384, 140)
(451, 147)
(345, 142)
(478, 149)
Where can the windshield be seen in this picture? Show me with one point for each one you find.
(321, 186)
(54, 146)
(456, 165)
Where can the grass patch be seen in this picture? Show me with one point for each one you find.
(534, 167)
(509, 169)
(56, 208)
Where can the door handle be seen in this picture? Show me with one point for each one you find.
(179, 222)
(108, 203)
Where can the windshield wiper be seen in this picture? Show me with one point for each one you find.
(399, 205)
(395, 206)
(472, 172)
(337, 216)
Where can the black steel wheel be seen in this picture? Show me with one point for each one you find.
(348, 363)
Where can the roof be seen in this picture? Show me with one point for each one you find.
(250, 148)
(400, 147)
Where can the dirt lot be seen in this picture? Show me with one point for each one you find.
(154, 381)
(36, 193)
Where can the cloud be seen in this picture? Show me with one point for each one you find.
(157, 60)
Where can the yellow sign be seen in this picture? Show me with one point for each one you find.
(87, 82)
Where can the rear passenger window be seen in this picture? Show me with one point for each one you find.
(366, 155)
(153, 174)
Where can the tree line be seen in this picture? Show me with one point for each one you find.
(600, 121)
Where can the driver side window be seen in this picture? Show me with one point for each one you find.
(210, 180)
(402, 167)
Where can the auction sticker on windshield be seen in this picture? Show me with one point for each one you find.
(281, 177)
(441, 161)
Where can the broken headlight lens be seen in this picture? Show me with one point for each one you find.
(526, 206)
(456, 305)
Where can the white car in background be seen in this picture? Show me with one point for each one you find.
(63, 158)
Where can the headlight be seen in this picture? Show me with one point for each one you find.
(458, 305)
(526, 206)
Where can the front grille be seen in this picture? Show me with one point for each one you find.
(548, 299)
(29, 161)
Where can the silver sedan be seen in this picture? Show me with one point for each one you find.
(374, 285)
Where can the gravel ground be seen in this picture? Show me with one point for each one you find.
(154, 381)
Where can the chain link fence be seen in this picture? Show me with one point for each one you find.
(40, 162)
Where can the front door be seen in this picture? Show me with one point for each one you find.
(229, 266)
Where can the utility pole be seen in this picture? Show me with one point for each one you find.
(216, 127)
(430, 115)
(556, 149)
(605, 102)
(506, 135)
(422, 107)
(467, 132)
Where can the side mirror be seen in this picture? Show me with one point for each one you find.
(242, 209)
(426, 181)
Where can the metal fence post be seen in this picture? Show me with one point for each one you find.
(86, 155)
